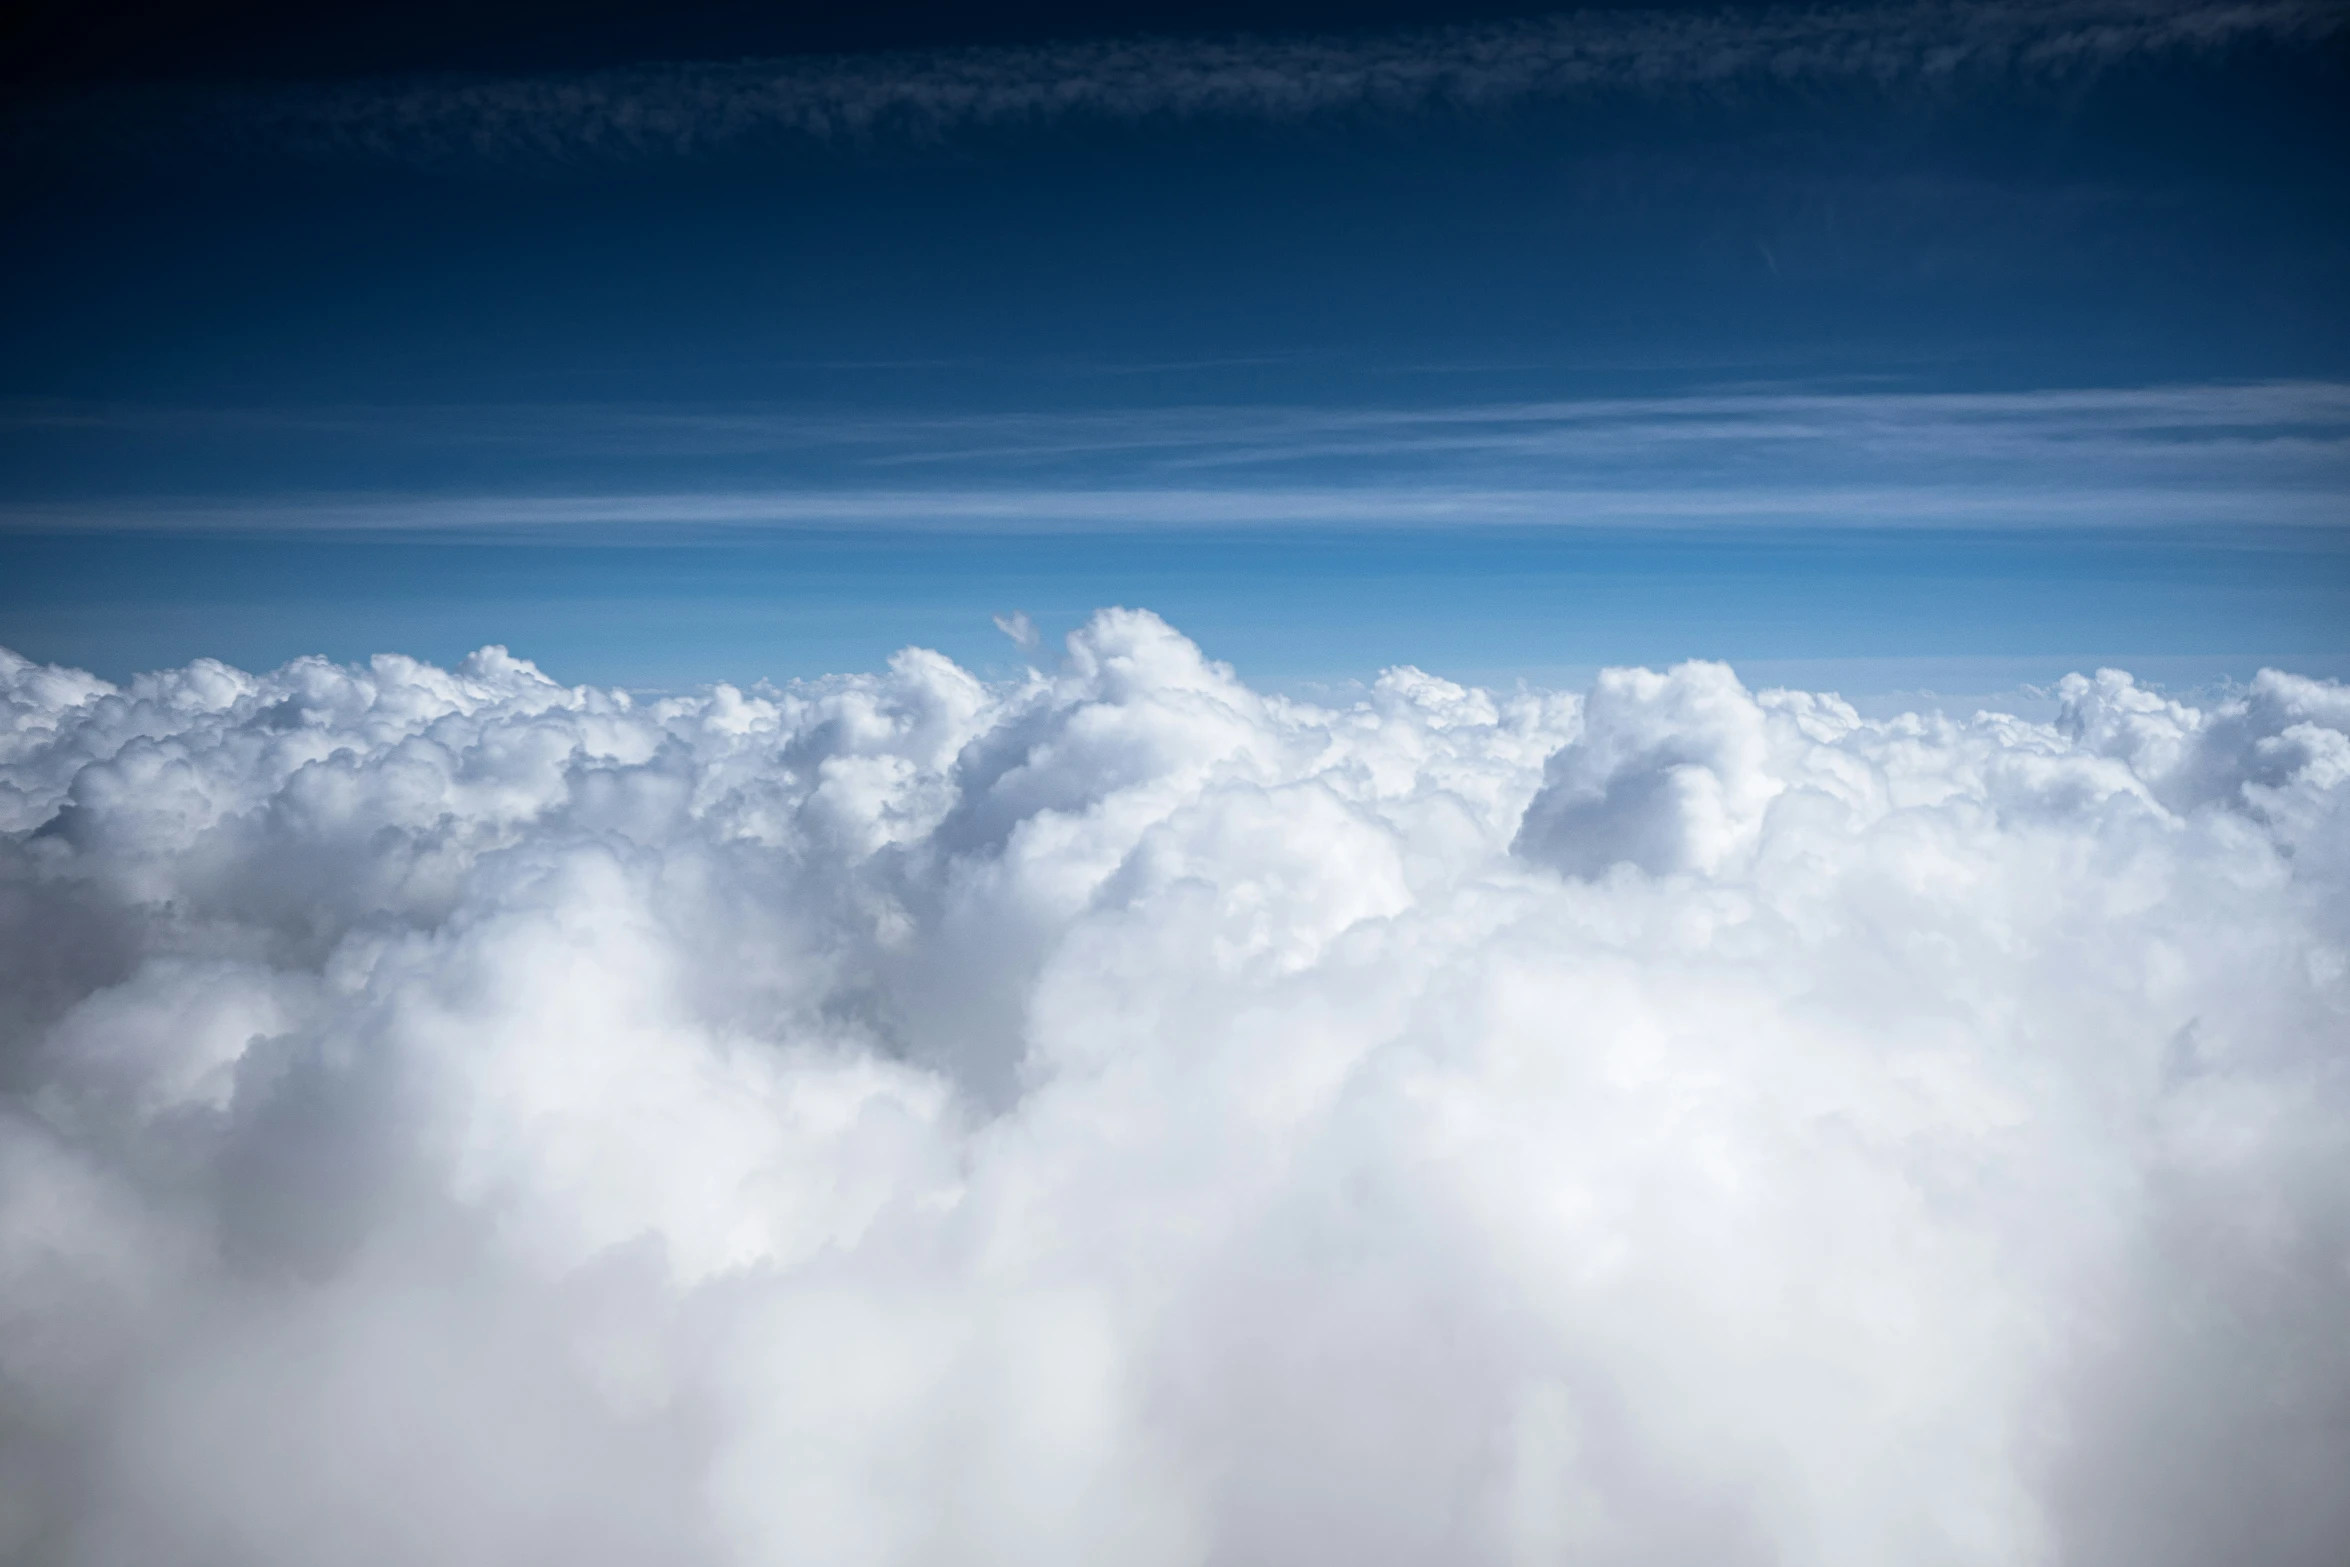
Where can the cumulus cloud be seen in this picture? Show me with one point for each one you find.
(1118, 1115)
(689, 108)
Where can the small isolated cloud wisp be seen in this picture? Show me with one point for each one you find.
(1020, 629)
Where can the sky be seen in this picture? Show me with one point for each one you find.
(1176, 786)
(1924, 346)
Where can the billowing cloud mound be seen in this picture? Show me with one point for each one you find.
(1118, 1117)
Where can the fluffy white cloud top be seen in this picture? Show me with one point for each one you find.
(1118, 1116)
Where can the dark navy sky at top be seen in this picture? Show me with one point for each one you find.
(2166, 221)
(85, 42)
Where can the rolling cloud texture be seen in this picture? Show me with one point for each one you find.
(1115, 1115)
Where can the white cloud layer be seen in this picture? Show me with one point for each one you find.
(1117, 1116)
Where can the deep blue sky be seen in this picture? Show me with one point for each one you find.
(1898, 345)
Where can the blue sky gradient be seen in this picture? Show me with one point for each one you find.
(1918, 345)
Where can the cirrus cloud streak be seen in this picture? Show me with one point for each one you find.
(691, 108)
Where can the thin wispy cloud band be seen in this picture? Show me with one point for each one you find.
(508, 518)
(687, 108)
(2271, 455)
